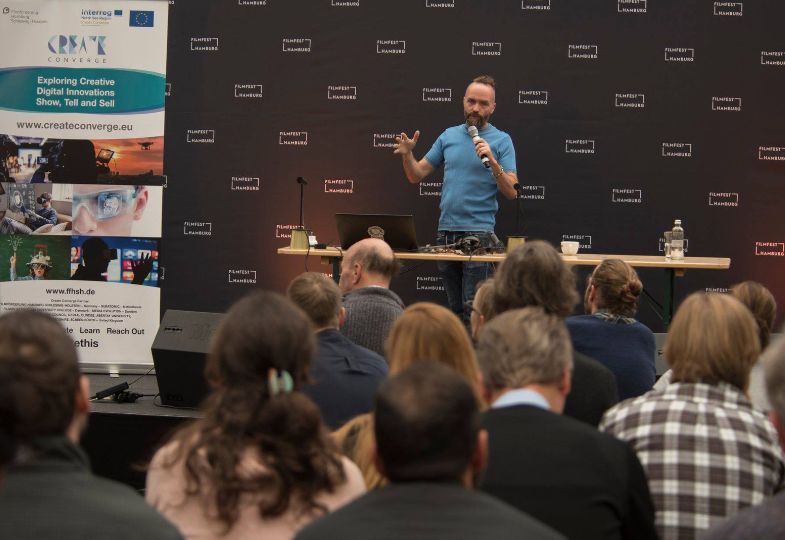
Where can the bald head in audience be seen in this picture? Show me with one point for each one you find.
(368, 263)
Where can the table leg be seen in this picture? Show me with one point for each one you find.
(336, 268)
(667, 303)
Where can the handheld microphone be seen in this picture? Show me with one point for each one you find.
(116, 389)
(475, 135)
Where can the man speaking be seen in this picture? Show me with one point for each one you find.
(478, 160)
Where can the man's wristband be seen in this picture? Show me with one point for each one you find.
(498, 174)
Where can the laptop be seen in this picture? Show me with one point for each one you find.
(396, 230)
(179, 353)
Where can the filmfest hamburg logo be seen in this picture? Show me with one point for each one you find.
(631, 6)
(240, 275)
(293, 138)
(771, 153)
(662, 245)
(770, 249)
(437, 94)
(726, 104)
(679, 54)
(168, 89)
(345, 3)
(384, 140)
(584, 240)
(440, 3)
(719, 290)
(430, 189)
(627, 196)
(532, 97)
(676, 149)
(630, 101)
(245, 183)
(579, 146)
(390, 46)
(251, 2)
(723, 199)
(296, 45)
(429, 283)
(536, 5)
(341, 92)
(200, 136)
(588, 52)
(197, 228)
(339, 185)
(486, 48)
(248, 90)
(533, 193)
(204, 43)
(772, 58)
(732, 9)
(285, 231)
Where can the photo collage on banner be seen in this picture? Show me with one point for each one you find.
(81, 170)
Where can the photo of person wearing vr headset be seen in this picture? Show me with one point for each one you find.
(96, 255)
(115, 210)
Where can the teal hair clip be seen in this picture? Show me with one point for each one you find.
(279, 384)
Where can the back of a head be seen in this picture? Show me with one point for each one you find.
(761, 303)
(39, 376)
(427, 331)
(318, 296)
(426, 423)
(523, 347)
(483, 298)
(713, 338)
(534, 275)
(376, 257)
(618, 287)
(774, 367)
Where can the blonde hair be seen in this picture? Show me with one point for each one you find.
(713, 339)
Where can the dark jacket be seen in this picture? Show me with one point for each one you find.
(593, 391)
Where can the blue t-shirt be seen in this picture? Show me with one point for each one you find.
(469, 189)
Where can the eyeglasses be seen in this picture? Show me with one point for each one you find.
(107, 204)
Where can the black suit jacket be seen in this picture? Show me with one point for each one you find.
(583, 483)
(427, 511)
(594, 390)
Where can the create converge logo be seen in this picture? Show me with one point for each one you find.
(729, 9)
(726, 104)
(430, 189)
(772, 58)
(344, 186)
(532, 97)
(533, 193)
(442, 95)
(631, 6)
(535, 5)
(429, 283)
(486, 48)
(586, 52)
(197, 228)
(248, 90)
(723, 199)
(75, 45)
(285, 231)
(296, 45)
(245, 183)
(204, 43)
(579, 146)
(676, 149)
(341, 92)
(200, 136)
(584, 240)
(679, 54)
(627, 196)
(630, 101)
(293, 138)
(770, 249)
(240, 275)
(384, 140)
(771, 153)
(390, 46)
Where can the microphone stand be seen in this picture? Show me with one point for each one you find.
(303, 182)
(300, 235)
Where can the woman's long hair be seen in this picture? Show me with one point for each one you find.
(262, 332)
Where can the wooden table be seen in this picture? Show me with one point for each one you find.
(672, 269)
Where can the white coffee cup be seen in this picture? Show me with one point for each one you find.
(570, 248)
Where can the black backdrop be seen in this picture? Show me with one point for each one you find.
(625, 114)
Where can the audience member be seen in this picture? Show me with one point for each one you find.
(535, 275)
(425, 331)
(766, 519)
(609, 332)
(260, 462)
(597, 492)
(763, 307)
(429, 444)
(481, 307)
(343, 376)
(708, 453)
(367, 268)
(49, 491)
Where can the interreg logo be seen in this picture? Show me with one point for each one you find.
(486, 48)
(676, 149)
(390, 46)
(242, 276)
(197, 228)
(536, 5)
(532, 97)
(626, 195)
(430, 189)
(429, 283)
(245, 183)
(247, 90)
(96, 17)
(630, 101)
(285, 231)
(584, 240)
(726, 104)
(342, 92)
(770, 249)
(579, 146)
(590, 52)
(204, 44)
(200, 136)
(296, 45)
(339, 185)
(533, 193)
(384, 140)
(76, 44)
(732, 9)
(771, 153)
(679, 54)
(293, 138)
(772, 58)
(631, 6)
(723, 199)
(437, 94)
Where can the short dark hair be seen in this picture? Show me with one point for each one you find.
(426, 423)
(39, 375)
(318, 296)
(534, 274)
(485, 79)
(375, 262)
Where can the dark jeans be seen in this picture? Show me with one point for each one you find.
(460, 279)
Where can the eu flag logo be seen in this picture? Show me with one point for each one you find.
(142, 18)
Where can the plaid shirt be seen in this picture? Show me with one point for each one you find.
(706, 451)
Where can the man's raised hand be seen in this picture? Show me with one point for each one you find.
(404, 145)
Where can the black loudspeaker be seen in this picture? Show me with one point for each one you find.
(179, 352)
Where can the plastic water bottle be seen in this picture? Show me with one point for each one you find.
(677, 241)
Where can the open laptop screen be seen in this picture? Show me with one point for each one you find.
(396, 230)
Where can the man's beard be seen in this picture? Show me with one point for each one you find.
(475, 119)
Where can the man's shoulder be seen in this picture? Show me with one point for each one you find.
(373, 295)
(333, 343)
(761, 521)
